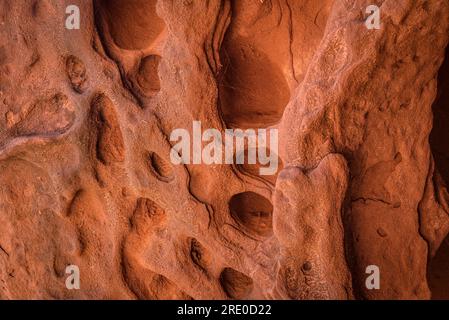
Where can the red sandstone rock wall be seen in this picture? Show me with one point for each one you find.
(86, 177)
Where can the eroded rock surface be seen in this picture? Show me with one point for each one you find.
(86, 176)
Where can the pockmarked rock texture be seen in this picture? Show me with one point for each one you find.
(87, 176)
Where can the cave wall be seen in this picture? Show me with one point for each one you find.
(85, 171)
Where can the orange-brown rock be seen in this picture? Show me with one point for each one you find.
(86, 171)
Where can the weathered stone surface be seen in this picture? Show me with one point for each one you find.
(86, 176)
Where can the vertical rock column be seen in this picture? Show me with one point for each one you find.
(356, 100)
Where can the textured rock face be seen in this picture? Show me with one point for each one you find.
(86, 176)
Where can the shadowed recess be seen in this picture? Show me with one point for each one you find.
(438, 272)
(161, 168)
(253, 212)
(440, 133)
(236, 284)
(253, 91)
(133, 24)
(147, 76)
(438, 269)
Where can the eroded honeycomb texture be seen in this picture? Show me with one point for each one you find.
(85, 171)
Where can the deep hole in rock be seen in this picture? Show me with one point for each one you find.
(133, 24)
(236, 284)
(253, 90)
(253, 212)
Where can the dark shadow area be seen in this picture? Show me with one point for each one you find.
(439, 137)
(438, 269)
(438, 272)
(253, 212)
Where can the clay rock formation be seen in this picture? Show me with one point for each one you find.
(86, 171)
(308, 222)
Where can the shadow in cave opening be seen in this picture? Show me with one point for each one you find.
(438, 267)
